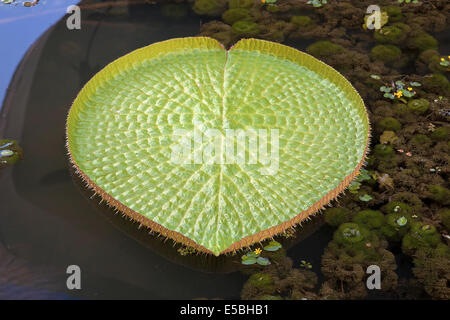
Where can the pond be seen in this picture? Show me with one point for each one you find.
(49, 220)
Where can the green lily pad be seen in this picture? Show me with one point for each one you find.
(272, 246)
(124, 128)
(262, 261)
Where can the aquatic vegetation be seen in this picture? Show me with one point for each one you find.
(273, 246)
(337, 216)
(207, 7)
(388, 137)
(324, 49)
(432, 269)
(422, 42)
(439, 194)
(208, 192)
(386, 53)
(232, 15)
(390, 124)
(10, 152)
(302, 21)
(390, 35)
(408, 1)
(400, 90)
(394, 13)
(232, 4)
(418, 106)
(444, 215)
(365, 198)
(317, 3)
(305, 264)
(441, 134)
(383, 151)
(244, 27)
(436, 83)
(371, 219)
(420, 236)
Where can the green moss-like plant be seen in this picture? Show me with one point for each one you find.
(302, 21)
(390, 35)
(396, 207)
(10, 152)
(370, 219)
(396, 225)
(420, 141)
(418, 106)
(389, 124)
(324, 49)
(248, 28)
(207, 7)
(439, 194)
(394, 13)
(420, 236)
(436, 82)
(441, 134)
(240, 4)
(233, 15)
(444, 214)
(386, 53)
(423, 42)
(124, 139)
(336, 216)
(383, 151)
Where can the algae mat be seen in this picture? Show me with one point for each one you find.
(218, 149)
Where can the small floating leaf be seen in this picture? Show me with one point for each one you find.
(365, 198)
(263, 261)
(272, 246)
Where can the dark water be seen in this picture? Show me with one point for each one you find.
(48, 220)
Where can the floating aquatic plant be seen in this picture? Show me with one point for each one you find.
(317, 3)
(273, 246)
(407, 1)
(10, 152)
(400, 90)
(120, 134)
(305, 264)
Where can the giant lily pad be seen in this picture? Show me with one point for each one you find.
(121, 129)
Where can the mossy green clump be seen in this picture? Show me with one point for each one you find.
(247, 28)
(370, 219)
(390, 35)
(232, 15)
(420, 141)
(436, 82)
(420, 236)
(336, 216)
(396, 207)
(302, 21)
(207, 7)
(350, 233)
(383, 151)
(418, 106)
(394, 13)
(324, 49)
(396, 226)
(444, 214)
(423, 42)
(385, 53)
(262, 281)
(389, 124)
(240, 4)
(439, 194)
(441, 134)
